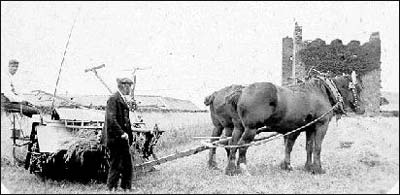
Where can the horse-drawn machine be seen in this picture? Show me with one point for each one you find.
(67, 145)
(66, 141)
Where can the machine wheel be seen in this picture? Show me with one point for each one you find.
(22, 147)
(19, 152)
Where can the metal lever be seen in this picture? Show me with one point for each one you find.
(94, 70)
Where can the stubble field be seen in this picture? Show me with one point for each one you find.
(359, 154)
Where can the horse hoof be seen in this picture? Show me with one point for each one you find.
(152, 169)
(213, 167)
(231, 168)
(230, 172)
(286, 166)
(308, 167)
(316, 170)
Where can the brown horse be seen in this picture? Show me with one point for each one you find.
(284, 109)
(223, 116)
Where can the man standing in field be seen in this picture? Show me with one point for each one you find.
(118, 137)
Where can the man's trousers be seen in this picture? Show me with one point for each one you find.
(120, 163)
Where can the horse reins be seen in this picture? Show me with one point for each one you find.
(338, 96)
(268, 139)
(339, 104)
(333, 89)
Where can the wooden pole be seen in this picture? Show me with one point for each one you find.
(208, 137)
(177, 155)
(101, 80)
(62, 61)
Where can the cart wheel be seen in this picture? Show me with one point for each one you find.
(19, 153)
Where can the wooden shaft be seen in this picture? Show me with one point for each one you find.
(172, 157)
(208, 137)
(62, 62)
(195, 150)
(177, 155)
(94, 68)
(13, 130)
(101, 80)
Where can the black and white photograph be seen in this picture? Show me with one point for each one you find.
(199, 97)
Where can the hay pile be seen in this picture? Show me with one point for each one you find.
(84, 140)
(85, 159)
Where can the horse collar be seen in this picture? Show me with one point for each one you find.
(335, 92)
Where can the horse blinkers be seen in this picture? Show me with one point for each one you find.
(352, 87)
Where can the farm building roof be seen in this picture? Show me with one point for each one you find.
(41, 98)
(80, 114)
(144, 101)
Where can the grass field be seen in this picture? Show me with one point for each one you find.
(359, 154)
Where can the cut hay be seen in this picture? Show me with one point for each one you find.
(85, 159)
(84, 140)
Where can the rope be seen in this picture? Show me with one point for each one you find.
(288, 133)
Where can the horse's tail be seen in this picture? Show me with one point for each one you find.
(209, 99)
(233, 98)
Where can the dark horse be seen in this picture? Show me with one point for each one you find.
(223, 116)
(284, 109)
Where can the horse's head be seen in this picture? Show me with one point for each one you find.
(350, 88)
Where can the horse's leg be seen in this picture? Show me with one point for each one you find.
(320, 132)
(237, 124)
(231, 167)
(310, 137)
(247, 137)
(289, 142)
(228, 133)
(212, 162)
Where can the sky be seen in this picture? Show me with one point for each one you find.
(190, 49)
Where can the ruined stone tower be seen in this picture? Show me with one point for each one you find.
(299, 71)
(287, 60)
(292, 68)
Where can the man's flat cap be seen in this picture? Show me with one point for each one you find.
(13, 61)
(124, 80)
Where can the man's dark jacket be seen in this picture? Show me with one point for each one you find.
(116, 122)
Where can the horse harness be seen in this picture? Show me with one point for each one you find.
(338, 105)
(337, 96)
